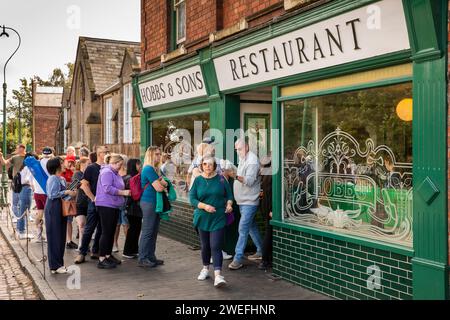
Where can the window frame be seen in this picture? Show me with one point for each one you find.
(127, 112)
(176, 10)
(108, 121)
(166, 115)
(280, 220)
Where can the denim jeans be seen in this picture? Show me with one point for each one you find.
(247, 225)
(149, 233)
(15, 203)
(24, 204)
(92, 222)
(212, 243)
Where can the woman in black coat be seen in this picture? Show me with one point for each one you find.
(134, 213)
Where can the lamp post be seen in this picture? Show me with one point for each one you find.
(4, 184)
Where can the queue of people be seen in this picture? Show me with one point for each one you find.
(100, 184)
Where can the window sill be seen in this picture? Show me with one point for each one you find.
(173, 54)
(409, 252)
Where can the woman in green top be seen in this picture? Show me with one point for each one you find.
(211, 196)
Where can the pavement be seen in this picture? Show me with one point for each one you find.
(15, 284)
(176, 279)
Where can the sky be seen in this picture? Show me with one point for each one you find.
(50, 29)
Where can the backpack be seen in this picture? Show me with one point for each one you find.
(10, 172)
(136, 187)
(17, 183)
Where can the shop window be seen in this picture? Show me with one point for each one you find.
(175, 137)
(108, 121)
(180, 20)
(127, 111)
(347, 162)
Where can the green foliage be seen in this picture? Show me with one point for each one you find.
(23, 97)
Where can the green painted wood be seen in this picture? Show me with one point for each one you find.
(423, 32)
(173, 26)
(177, 104)
(345, 89)
(341, 70)
(177, 112)
(209, 72)
(224, 116)
(145, 134)
(277, 158)
(427, 27)
(286, 25)
(144, 130)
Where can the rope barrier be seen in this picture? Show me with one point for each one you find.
(31, 256)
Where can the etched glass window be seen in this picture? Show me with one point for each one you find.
(176, 137)
(347, 162)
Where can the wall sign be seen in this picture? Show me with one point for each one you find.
(177, 86)
(370, 31)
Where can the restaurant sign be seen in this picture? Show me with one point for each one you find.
(182, 85)
(370, 31)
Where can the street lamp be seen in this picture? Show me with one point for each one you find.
(4, 184)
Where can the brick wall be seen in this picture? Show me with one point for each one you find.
(234, 10)
(46, 121)
(155, 35)
(339, 269)
(179, 227)
(203, 17)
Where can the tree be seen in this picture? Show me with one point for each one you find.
(24, 95)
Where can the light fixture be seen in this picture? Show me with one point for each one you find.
(404, 109)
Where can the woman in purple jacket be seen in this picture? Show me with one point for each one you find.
(108, 200)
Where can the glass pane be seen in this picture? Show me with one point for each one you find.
(348, 162)
(175, 137)
(181, 21)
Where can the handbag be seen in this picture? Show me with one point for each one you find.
(230, 218)
(69, 207)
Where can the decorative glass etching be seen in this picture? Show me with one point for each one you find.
(346, 183)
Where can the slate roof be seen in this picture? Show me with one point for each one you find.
(103, 60)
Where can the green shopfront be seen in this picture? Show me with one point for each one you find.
(349, 99)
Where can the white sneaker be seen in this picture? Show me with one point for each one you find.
(219, 281)
(115, 249)
(60, 270)
(14, 220)
(23, 236)
(204, 274)
(226, 256)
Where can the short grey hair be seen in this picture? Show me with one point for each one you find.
(241, 142)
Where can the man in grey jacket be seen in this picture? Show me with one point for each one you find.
(246, 193)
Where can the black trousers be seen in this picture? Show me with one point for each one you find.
(267, 243)
(132, 240)
(108, 219)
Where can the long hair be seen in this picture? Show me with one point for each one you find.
(131, 166)
(149, 159)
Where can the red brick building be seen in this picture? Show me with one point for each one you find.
(207, 19)
(309, 70)
(46, 109)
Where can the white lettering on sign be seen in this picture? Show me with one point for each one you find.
(348, 37)
(182, 85)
